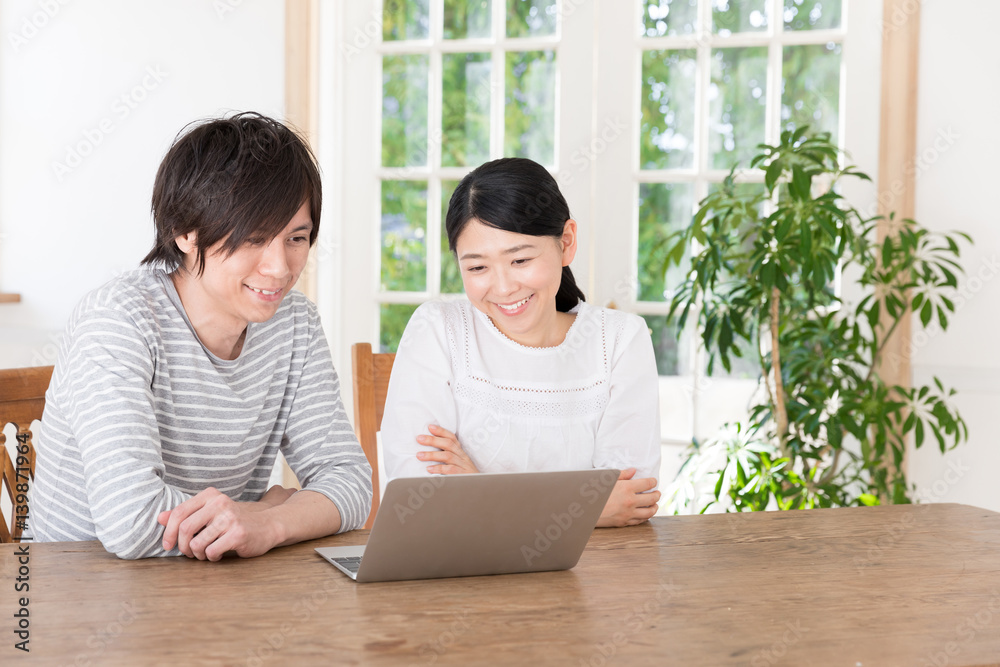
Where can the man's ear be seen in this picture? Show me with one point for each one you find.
(187, 243)
(568, 242)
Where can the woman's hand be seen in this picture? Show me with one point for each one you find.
(451, 459)
(628, 504)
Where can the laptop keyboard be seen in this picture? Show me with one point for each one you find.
(350, 563)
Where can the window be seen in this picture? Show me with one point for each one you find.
(708, 81)
(463, 82)
(637, 106)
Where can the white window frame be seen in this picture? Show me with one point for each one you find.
(616, 269)
(596, 160)
(353, 57)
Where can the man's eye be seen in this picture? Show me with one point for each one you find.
(256, 241)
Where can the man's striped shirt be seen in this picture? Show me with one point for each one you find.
(140, 416)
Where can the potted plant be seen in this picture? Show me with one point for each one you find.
(823, 429)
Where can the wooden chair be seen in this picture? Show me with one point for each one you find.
(22, 399)
(371, 382)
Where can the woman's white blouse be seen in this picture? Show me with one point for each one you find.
(590, 402)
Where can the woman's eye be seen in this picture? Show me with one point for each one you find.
(474, 269)
(519, 262)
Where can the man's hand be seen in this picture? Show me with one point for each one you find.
(452, 459)
(628, 504)
(211, 523)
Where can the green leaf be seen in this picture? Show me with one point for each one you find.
(772, 174)
(868, 499)
(925, 313)
(801, 183)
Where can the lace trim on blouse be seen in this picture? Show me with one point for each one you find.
(589, 397)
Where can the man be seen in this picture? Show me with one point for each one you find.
(178, 383)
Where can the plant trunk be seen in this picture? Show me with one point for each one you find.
(780, 414)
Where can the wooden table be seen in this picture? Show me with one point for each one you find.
(903, 585)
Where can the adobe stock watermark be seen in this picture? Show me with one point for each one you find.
(965, 632)
(48, 353)
(635, 621)
(100, 640)
(431, 651)
(33, 24)
(894, 532)
(418, 496)
(915, 168)
(302, 611)
(901, 15)
(585, 155)
(581, 158)
(561, 522)
(964, 294)
(967, 292)
(789, 638)
(224, 8)
(121, 108)
(477, 96)
(362, 37)
(480, 436)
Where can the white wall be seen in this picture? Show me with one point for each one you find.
(112, 82)
(958, 143)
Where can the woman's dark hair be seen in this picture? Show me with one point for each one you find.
(516, 195)
(231, 179)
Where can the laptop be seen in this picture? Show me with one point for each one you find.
(485, 523)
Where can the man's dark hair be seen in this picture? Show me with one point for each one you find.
(231, 179)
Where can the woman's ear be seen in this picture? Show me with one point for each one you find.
(568, 242)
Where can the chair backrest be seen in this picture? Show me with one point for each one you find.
(371, 383)
(22, 400)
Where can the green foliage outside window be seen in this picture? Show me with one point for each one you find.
(531, 18)
(530, 106)
(451, 274)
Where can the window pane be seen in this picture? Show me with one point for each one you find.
(467, 19)
(465, 124)
(812, 14)
(729, 16)
(404, 226)
(746, 367)
(663, 209)
(406, 19)
(529, 106)
(811, 87)
(451, 276)
(666, 344)
(669, 17)
(737, 97)
(404, 111)
(531, 18)
(667, 134)
(392, 319)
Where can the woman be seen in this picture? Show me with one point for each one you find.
(525, 376)
(177, 384)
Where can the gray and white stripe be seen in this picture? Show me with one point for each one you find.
(140, 416)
